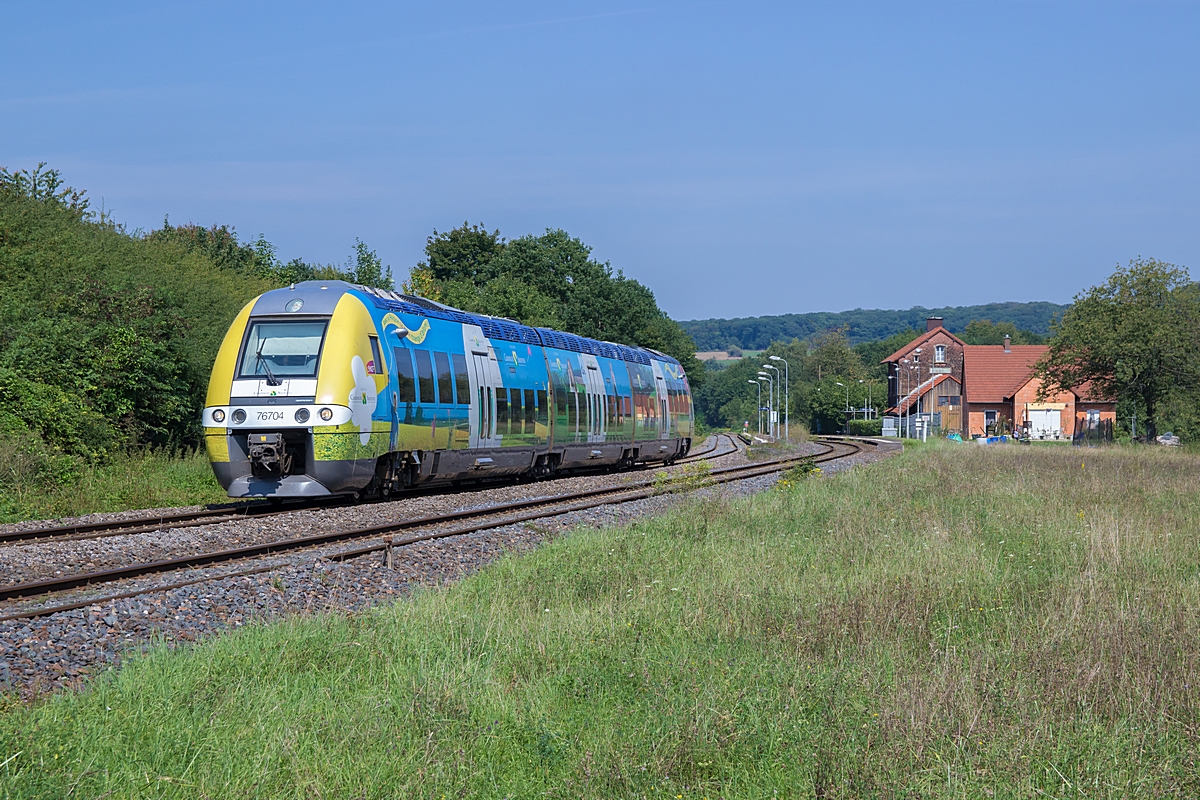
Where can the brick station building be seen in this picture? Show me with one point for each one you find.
(925, 377)
(980, 390)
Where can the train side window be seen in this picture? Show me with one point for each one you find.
(560, 400)
(572, 410)
(542, 416)
(424, 377)
(515, 417)
(377, 365)
(501, 412)
(445, 388)
(462, 384)
(404, 369)
(530, 412)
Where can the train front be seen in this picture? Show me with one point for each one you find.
(290, 400)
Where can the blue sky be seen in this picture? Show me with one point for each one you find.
(739, 159)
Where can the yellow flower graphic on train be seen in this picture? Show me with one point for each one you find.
(416, 337)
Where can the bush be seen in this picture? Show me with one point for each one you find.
(865, 427)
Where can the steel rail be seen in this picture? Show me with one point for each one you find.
(214, 516)
(829, 455)
(641, 489)
(706, 455)
(142, 524)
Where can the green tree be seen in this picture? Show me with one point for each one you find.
(830, 355)
(984, 331)
(1134, 336)
(873, 353)
(550, 281)
(368, 269)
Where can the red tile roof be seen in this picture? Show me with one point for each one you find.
(917, 342)
(990, 375)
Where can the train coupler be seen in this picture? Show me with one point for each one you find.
(268, 454)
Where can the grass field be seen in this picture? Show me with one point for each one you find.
(956, 622)
(147, 479)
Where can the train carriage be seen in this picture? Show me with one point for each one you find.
(326, 387)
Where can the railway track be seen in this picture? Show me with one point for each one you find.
(451, 524)
(230, 513)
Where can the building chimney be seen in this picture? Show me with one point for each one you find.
(1007, 343)
(932, 323)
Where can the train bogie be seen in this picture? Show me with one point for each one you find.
(330, 388)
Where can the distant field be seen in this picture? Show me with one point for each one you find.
(723, 358)
(958, 621)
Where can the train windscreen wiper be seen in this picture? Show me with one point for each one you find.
(271, 379)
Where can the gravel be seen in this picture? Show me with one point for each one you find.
(63, 649)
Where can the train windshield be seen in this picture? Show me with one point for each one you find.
(283, 349)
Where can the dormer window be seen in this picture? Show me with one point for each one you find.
(939, 354)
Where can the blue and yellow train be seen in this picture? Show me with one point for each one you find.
(329, 388)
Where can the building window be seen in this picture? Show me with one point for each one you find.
(939, 354)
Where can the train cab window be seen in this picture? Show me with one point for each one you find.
(462, 384)
(445, 387)
(407, 379)
(425, 388)
(501, 412)
(542, 415)
(377, 365)
(530, 412)
(282, 350)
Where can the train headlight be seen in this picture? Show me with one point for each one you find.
(218, 415)
(326, 414)
(301, 415)
(239, 416)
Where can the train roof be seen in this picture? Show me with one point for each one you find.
(320, 297)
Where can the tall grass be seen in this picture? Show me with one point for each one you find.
(954, 622)
(37, 487)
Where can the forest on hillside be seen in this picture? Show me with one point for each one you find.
(861, 325)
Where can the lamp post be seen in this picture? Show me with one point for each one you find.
(759, 387)
(903, 372)
(846, 421)
(777, 397)
(917, 366)
(787, 400)
(914, 387)
(763, 376)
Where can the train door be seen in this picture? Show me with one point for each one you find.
(484, 375)
(663, 400)
(597, 398)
